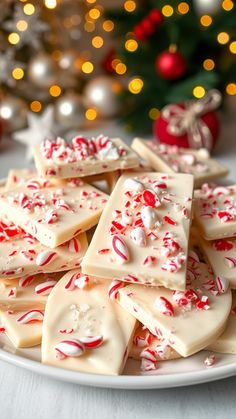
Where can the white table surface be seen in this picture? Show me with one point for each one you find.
(25, 395)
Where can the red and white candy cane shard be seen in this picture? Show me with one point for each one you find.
(91, 342)
(169, 220)
(230, 262)
(147, 365)
(70, 348)
(163, 351)
(45, 287)
(12, 293)
(51, 216)
(113, 290)
(45, 257)
(150, 198)
(149, 354)
(149, 261)
(25, 281)
(70, 285)
(222, 284)
(66, 331)
(193, 257)
(2, 330)
(210, 360)
(120, 249)
(31, 316)
(74, 245)
(164, 306)
(82, 282)
(222, 245)
(225, 216)
(33, 185)
(221, 190)
(138, 236)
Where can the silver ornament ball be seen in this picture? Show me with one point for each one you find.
(13, 111)
(70, 60)
(207, 6)
(42, 70)
(70, 111)
(102, 93)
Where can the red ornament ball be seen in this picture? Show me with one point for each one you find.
(160, 129)
(156, 17)
(171, 65)
(139, 33)
(148, 26)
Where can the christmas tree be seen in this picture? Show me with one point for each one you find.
(172, 51)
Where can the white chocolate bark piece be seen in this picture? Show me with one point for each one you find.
(31, 291)
(143, 339)
(215, 211)
(221, 255)
(142, 236)
(22, 255)
(189, 320)
(173, 159)
(24, 333)
(53, 212)
(18, 177)
(82, 157)
(86, 314)
(226, 343)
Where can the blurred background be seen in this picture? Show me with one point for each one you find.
(74, 65)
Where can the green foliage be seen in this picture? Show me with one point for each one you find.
(195, 42)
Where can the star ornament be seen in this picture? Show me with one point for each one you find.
(39, 128)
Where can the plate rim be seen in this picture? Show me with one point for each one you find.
(127, 382)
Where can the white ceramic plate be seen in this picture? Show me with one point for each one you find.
(174, 373)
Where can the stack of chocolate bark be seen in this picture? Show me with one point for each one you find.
(146, 285)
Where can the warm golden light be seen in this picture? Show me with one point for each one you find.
(89, 26)
(50, 4)
(55, 90)
(135, 86)
(29, 9)
(183, 8)
(13, 38)
(227, 5)
(206, 20)
(97, 42)
(223, 38)
(232, 47)
(167, 10)
(129, 6)
(231, 89)
(91, 1)
(154, 113)
(91, 114)
(35, 106)
(131, 45)
(121, 68)
(208, 64)
(94, 13)
(199, 92)
(18, 73)
(108, 25)
(22, 25)
(87, 67)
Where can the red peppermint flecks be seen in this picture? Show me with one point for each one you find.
(222, 245)
(149, 198)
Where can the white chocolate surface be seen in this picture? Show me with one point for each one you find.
(190, 329)
(100, 259)
(77, 207)
(21, 335)
(215, 211)
(221, 254)
(19, 255)
(226, 343)
(25, 296)
(89, 312)
(172, 159)
(75, 164)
